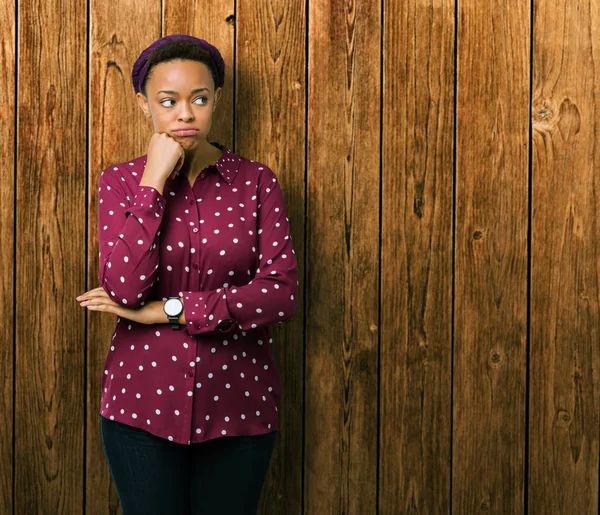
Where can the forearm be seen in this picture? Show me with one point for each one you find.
(128, 239)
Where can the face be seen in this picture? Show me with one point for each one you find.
(181, 96)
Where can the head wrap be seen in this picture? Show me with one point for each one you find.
(142, 64)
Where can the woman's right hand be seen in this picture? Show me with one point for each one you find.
(164, 159)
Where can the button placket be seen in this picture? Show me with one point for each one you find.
(195, 238)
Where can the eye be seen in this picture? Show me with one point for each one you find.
(167, 100)
(203, 100)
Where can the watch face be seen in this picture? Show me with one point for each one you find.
(173, 307)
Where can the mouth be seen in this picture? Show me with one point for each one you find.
(185, 132)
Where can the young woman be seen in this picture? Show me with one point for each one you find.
(196, 261)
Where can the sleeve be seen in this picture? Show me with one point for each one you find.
(270, 297)
(127, 239)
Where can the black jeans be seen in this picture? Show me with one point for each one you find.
(153, 476)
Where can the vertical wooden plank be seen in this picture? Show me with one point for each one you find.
(416, 285)
(491, 257)
(564, 305)
(50, 264)
(118, 131)
(342, 257)
(7, 220)
(270, 127)
(215, 22)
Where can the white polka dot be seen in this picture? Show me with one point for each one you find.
(140, 242)
(171, 387)
(216, 398)
(142, 277)
(176, 412)
(159, 391)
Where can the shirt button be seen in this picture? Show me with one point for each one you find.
(191, 372)
(195, 229)
(191, 202)
(195, 266)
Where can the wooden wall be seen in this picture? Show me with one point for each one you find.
(440, 161)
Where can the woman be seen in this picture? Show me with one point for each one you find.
(196, 261)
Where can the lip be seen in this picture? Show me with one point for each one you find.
(185, 131)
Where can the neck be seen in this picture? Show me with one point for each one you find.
(199, 158)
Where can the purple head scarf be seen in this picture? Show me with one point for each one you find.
(142, 64)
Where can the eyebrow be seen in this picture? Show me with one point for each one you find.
(170, 92)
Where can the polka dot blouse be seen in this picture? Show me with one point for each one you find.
(224, 246)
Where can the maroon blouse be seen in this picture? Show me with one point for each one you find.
(224, 246)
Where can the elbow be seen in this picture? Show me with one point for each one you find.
(124, 296)
(289, 302)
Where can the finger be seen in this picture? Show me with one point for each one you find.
(107, 308)
(99, 294)
(180, 161)
(91, 293)
(100, 301)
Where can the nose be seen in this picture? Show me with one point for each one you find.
(185, 112)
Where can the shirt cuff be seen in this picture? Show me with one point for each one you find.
(207, 312)
(147, 201)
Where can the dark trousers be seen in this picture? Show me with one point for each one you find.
(153, 476)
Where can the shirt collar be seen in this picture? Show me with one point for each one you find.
(228, 164)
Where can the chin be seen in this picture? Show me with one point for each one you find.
(187, 143)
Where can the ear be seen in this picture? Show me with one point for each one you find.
(143, 103)
(218, 93)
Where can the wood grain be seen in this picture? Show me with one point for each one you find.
(215, 22)
(270, 121)
(416, 258)
(491, 258)
(342, 257)
(7, 220)
(50, 228)
(118, 131)
(564, 305)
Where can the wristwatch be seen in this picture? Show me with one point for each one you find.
(173, 307)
